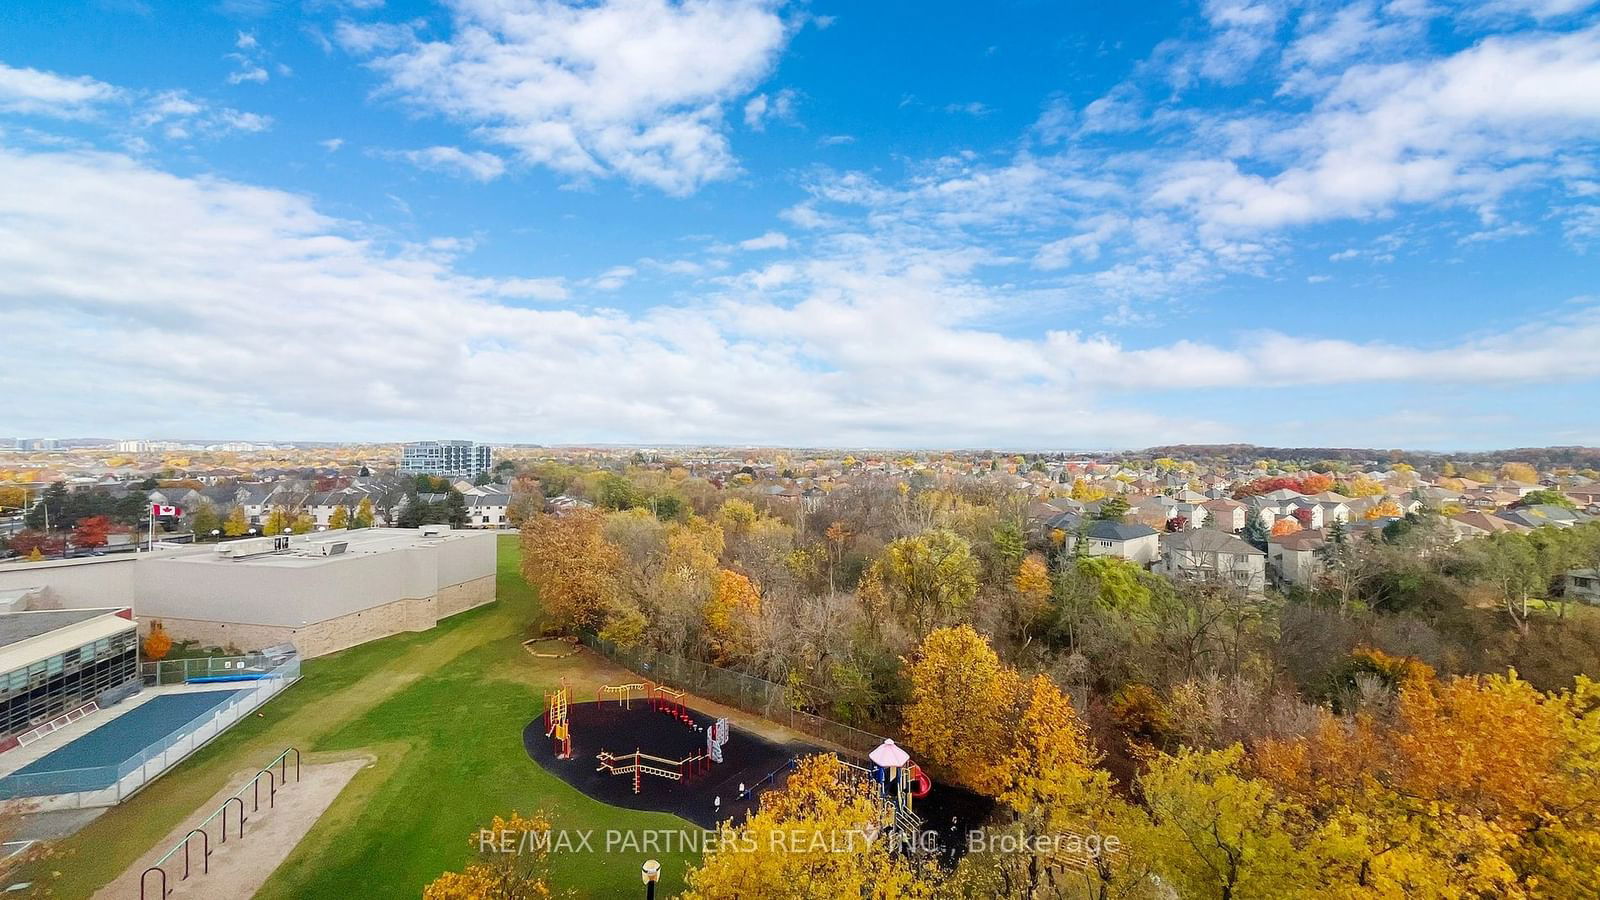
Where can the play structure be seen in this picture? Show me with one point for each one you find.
(900, 781)
(667, 700)
(622, 693)
(556, 722)
(639, 763)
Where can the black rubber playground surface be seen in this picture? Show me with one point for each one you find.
(747, 758)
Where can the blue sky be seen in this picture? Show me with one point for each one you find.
(888, 224)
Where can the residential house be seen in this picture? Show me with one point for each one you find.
(1131, 541)
(1207, 554)
(1225, 514)
(1582, 585)
(1295, 558)
(1544, 514)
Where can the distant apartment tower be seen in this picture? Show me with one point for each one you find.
(451, 459)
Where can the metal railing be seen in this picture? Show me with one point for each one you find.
(156, 757)
(221, 814)
(179, 671)
(746, 692)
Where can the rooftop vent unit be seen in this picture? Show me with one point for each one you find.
(435, 530)
(243, 549)
(333, 548)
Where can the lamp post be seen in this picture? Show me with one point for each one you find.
(216, 535)
(651, 873)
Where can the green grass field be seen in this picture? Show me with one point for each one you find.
(443, 713)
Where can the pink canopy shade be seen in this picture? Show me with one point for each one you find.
(889, 756)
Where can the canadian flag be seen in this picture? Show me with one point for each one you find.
(159, 510)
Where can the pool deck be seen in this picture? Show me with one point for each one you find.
(20, 757)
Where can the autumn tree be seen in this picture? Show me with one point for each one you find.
(339, 518)
(157, 643)
(277, 521)
(1387, 509)
(236, 524)
(1218, 833)
(929, 577)
(817, 836)
(1032, 586)
(573, 566)
(1519, 472)
(511, 861)
(731, 617)
(364, 516)
(962, 706)
(91, 532)
(1285, 525)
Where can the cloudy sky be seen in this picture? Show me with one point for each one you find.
(1054, 224)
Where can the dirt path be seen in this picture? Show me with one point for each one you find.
(240, 867)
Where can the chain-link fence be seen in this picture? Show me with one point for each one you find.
(747, 692)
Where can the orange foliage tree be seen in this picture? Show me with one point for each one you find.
(157, 644)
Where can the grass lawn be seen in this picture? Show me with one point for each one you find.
(443, 713)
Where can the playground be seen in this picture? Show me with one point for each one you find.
(640, 746)
(644, 752)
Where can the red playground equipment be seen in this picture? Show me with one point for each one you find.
(639, 763)
(667, 700)
(556, 724)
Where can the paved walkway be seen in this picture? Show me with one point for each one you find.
(240, 867)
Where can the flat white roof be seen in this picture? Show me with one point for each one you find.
(88, 626)
(306, 549)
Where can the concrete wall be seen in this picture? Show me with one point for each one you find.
(319, 604)
(321, 638)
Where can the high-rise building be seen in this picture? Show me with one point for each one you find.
(450, 459)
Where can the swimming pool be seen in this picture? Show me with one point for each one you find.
(124, 737)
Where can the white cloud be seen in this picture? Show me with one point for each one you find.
(772, 240)
(331, 145)
(972, 108)
(34, 92)
(249, 73)
(613, 278)
(870, 342)
(180, 116)
(629, 88)
(477, 164)
(761, 109)
(1465, 128)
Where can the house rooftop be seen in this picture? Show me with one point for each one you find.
(1106, 530)
(1208, 540)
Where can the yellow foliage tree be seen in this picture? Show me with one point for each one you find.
(277, 521)
(816, 837)
(963, 702)
(1520, 472)
(236, 523)
(511, 862)
(364, 517)
(339, 518)
(732, 613)
(1362, 486)
(1384, 510)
